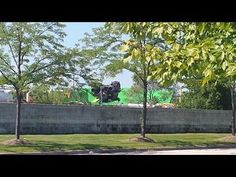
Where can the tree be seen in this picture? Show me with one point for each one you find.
(210, 96)
(153, 86)
(41, 93)
(101, 49)
(82, 67)
(31, 53)
(130, 46)
(201, 51)
(140, 52)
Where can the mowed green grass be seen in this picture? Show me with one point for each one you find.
(72, 142)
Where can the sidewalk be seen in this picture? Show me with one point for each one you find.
(231, 151)
(219, 150)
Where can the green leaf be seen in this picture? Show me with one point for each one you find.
(178, 64)
(191, 62)
(148, 47)
(158, 30)
(205, 81)
(127, 60)
(202, 27)
(224, 65)
(212, 57)
(204, 54)
(231, 71)
(208, 73)
(174, 77)
(148, 58)
(124, 48)
(191, 52)
(176, 47)
(149, 78)
(136, 53)
(169, 30)
(222, 55)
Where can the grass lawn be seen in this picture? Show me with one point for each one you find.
(59, 143)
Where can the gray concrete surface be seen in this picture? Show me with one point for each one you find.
(231, 151)
(216, 151)
(65, 119)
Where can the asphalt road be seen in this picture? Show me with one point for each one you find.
(231, 151)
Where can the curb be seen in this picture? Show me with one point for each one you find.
(101, 151)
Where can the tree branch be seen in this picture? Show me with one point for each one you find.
(22, 56)
(148, 65)
(33, 80)
(20, 62)
(9, 45)
(43, 67)
(140, 77)
(37, 64)
(8, 65)
(115, 39)
(9, 80)
(45, 29)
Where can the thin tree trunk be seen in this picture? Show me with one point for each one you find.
(18, 88)
(18, 111)
(144, 114)
(233, 110)
(101, 89)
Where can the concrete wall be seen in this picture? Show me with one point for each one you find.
(44, 119)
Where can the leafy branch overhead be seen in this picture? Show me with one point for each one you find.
(30, 52)
(204, 51)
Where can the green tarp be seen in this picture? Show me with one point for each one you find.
(85, 96)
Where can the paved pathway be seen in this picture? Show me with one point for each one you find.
(231, 151)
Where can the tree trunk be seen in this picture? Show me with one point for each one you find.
(18, 111)
(144, 113)
(101, 89)
(233, 110)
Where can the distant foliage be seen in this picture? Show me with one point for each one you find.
(208, 97)
(42, 94)
(135, 95)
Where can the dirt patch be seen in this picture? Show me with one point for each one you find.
(16, 142)
(230, 138)
(141, 139)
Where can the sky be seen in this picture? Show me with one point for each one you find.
(76, 30)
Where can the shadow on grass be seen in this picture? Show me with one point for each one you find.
(179, 143)
(47, 146)
(175, 143)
